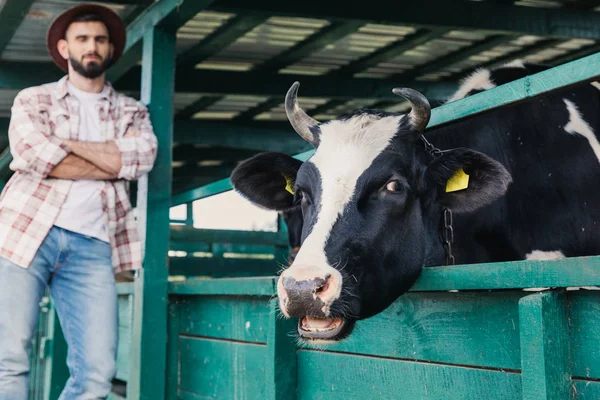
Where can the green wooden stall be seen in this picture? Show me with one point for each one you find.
(195, 323)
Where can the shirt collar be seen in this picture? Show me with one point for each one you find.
(62, 89)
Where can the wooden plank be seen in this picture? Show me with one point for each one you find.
(124, 288)
(577, 271)
(189, 247)
(281, 364)
(172, 376)
(586, 390)
(483, 329)
(148, 356)
(331, 376)
(248, 136)
(546, 371)
(217, 369)
(188, 234)
(244, 319)
(584, 320)
(262, 286)
(219, 267)
(12, 14)
(123, 353)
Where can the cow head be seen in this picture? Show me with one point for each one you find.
(371, 198)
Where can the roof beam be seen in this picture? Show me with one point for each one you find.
(327, 35)
(12, 15)
(574, 55)
(462, 14)
(169, 14)
(258, 137)
(258, 109)
(390, 51)
(19, 75)
(542, 45)
(235, 28)
(226, 82)
(201, 104)
(454, 57)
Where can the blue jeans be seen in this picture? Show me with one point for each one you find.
(79, 271)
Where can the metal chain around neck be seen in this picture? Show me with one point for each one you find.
(447, 228)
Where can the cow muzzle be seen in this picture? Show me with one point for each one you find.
(308, 293)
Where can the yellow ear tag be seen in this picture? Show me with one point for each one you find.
(289, 184)
(458, 181)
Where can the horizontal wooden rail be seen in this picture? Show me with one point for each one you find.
(568, 272)
(187, 234)
(585, 69)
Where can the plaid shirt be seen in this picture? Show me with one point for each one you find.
(42, 117)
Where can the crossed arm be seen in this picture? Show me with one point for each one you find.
(38, 152)
(89, 160)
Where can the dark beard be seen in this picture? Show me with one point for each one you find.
(93, 69)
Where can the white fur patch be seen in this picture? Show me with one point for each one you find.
(596, 85)
(545, 255)
(577, 125)
(479, 80)
(346, 149)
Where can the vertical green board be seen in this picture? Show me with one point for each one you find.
(545, 363)
(148, 364)
(281, 376)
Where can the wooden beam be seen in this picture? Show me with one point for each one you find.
(544, 331)
(390, 51)
(277, 85)
(327, 35)
(233, 29)
(197, 106)
(542, 45)
(454, 57)
(193, 154)
(167, 14)
(460, 14)
(259, 137)
(586, 51)
(258, 109)
(148, 352)
(19, 75)
(12, 15)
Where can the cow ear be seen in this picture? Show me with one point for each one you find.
(465, 180)
(267, 180)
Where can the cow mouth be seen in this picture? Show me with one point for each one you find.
(314, 328)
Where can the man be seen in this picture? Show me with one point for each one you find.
(65, 216)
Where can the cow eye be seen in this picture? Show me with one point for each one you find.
(393, 186)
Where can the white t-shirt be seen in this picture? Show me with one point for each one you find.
(82, 210)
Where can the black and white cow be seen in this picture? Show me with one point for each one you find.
(372, 196)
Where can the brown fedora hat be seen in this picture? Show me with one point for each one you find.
(56, 32)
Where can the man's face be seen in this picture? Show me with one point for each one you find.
(87, 47)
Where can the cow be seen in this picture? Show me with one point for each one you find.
(521, 182)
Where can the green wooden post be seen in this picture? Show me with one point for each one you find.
(545, 361)
(172, 392)
(189, 220)
(148, 366)
(55, 348)
(282, 361)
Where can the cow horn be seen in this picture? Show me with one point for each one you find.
(306, 126)
(421, 110)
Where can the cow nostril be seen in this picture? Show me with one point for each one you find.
(325, 286)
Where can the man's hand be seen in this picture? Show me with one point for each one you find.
(73, 167)
(105, 156)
